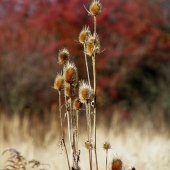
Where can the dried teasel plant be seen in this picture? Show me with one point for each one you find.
(92, 45)
(86, 94)
(63, 56)
(83, 36)
(59, 85)
(106, 146)
(117, 164)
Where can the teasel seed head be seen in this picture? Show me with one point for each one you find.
(85, 92)
(77, 104)
(63, 56)
(117, 164)
(68, 90)
(71, 74)
(106, 146)
(87, 145)
(84, 33)
(59, 82)
(95, 8)
(92, 45)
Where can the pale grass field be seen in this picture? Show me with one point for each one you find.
(141, 147)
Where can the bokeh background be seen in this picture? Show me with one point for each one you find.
(133, 81)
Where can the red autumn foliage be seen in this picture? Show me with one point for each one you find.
(32, 32)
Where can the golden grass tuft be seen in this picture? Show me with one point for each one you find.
(117, 164)
(95, 8)
(59, 82)
(63, 56)
(71, 74)
(77, 104)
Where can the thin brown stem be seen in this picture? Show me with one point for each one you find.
(95, 25)
(66, 154)
(94, 77)
(72, 121)
(106, 157)
(62, 130)
(87, 117)
(86, 64)
(77, 123)
(61, 122)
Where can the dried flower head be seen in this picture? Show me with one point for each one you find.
(59, 82)
(95, 8)
(77, 104)
(63, 56)
(71, 74)
(85, 92)
(92, 45)
(106, 146)
(68, 90)
(84, 33)
(87, 145)
(117, 164)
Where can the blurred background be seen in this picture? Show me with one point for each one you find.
(132, 73)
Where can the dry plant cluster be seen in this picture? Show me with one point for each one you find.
(68, 82)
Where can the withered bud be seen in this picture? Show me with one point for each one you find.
(117, 164)
(95, 8)
(71, 74)
(63, 56)
(87, 145)
(77, 104)
(92, 45)
(68, 90)
(59, 82)
(85, 92)
(84, 33)
(106, 146)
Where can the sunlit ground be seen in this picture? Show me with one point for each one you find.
(142, 147)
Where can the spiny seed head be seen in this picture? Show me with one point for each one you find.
(87, 145)
(85, 92)
(59, 82)
(63, 56)
(71, 74)
(68, 90)
(95, 8)
(106, 146)
(84, 33)
(117, 164)
(77, 104)
(92, 45)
